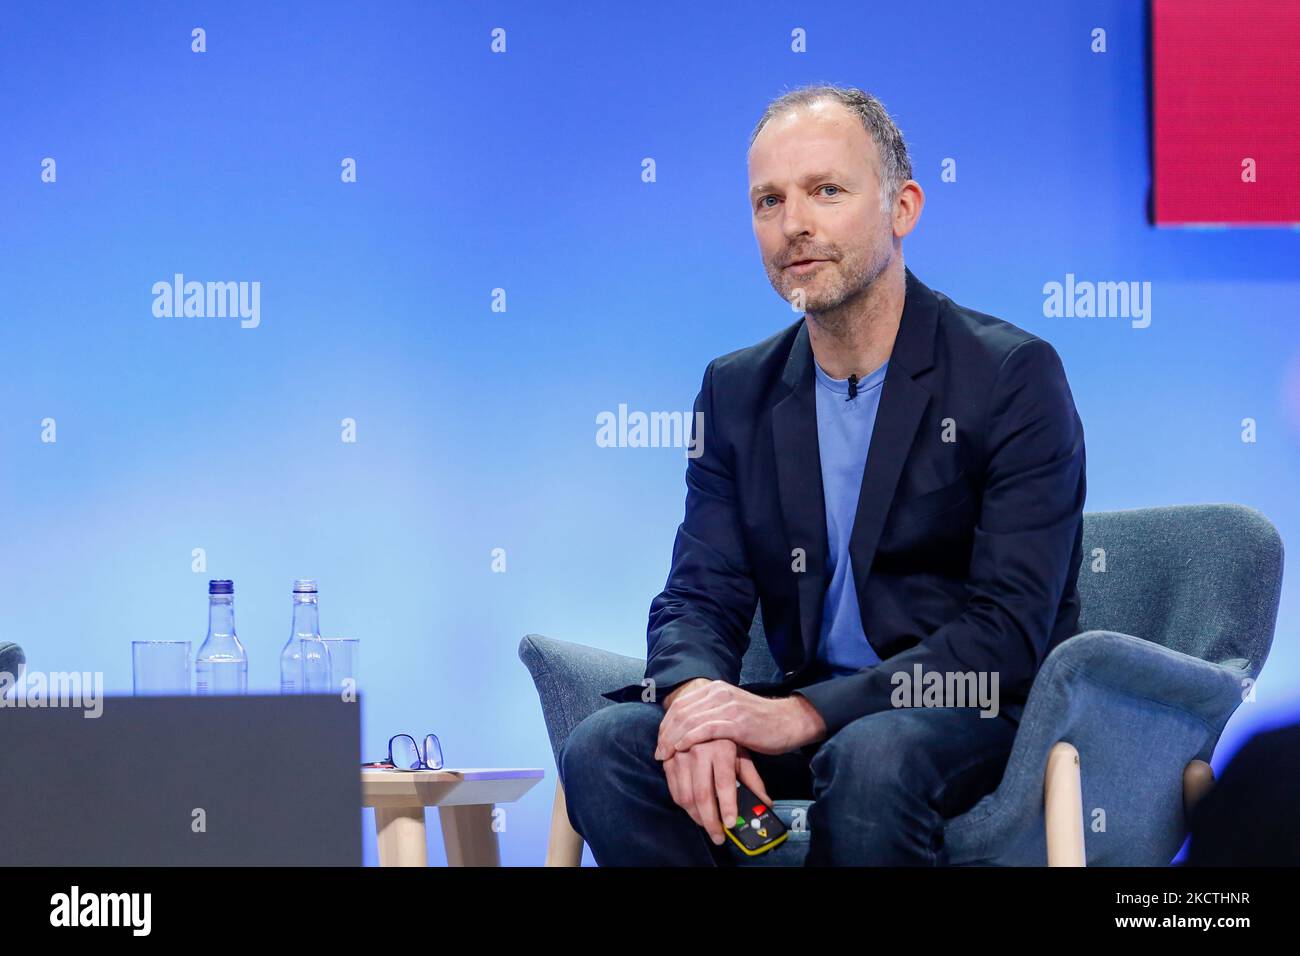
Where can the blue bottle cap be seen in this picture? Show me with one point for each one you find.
(221, 587)
(304, 586)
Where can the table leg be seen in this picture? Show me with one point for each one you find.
(401, 836)
(468, 835)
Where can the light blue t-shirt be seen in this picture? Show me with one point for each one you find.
(844, 434)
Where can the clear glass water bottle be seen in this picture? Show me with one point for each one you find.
(221, 666)
(305, 660)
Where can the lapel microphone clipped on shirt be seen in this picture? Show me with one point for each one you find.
(853, 388)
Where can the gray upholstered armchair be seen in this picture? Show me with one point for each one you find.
(1178, 609)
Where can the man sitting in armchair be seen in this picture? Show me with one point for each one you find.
(898, 482)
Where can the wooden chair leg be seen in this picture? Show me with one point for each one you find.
(1198, 778)
(564, 848)
(1063, 807)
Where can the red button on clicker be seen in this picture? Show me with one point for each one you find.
(759, 810)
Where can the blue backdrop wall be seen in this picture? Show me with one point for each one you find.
(517, 177)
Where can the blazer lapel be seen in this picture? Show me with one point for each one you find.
(799, 483)
(902, 404)
(798, 456)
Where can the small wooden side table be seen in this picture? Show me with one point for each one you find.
(465, 800)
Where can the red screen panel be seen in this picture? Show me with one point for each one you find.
(1227, 89)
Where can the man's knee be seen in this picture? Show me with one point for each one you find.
(879, 752)
(620, 732)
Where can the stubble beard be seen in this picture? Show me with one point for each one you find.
(831, 308)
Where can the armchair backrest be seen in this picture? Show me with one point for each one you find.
(1201, 579)
(1204, 580)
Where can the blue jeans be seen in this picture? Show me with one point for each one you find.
(883, 786)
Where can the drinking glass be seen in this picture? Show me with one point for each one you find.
(344, 657)
(160, 667)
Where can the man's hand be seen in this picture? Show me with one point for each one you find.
(702, 781)
(682, 688)
(710, 710)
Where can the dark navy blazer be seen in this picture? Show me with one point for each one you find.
(967, 540)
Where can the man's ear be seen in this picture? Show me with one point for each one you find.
(907, 209)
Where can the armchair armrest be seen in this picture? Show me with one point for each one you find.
(1109, 664)
(570, 679)
(1138, 713)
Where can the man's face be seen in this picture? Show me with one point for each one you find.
(815, 194)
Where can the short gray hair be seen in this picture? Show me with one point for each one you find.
(895, 164)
